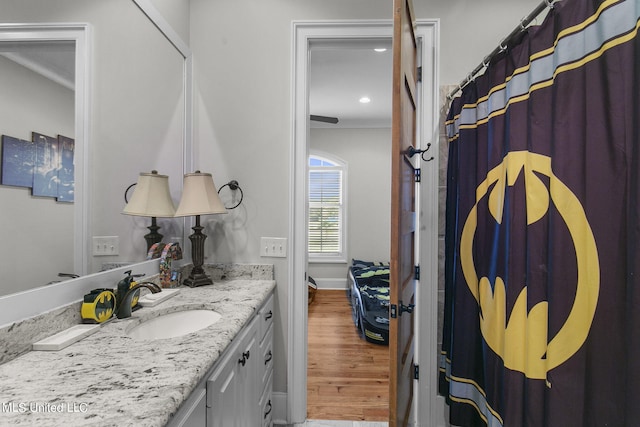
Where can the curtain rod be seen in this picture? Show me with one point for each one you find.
(545, 4)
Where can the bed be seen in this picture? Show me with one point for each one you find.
(368, 292)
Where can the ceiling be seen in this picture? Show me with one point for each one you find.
(341, 72)
(54, 59)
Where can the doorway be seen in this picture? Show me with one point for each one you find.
(304, 33)
(349, 218)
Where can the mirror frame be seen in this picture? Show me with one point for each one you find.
(32, 302)
(80, 34)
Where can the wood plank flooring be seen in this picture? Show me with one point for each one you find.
(347, 377)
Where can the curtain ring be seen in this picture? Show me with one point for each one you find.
(549, 3)
(502, 46)
(486, 61)
(452, 94)
(522, 26)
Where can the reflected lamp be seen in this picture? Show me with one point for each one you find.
(151, 198)
(199, 197)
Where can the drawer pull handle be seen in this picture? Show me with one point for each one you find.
(245, 357)
(266, 414)
(269, 357)
(268, 316)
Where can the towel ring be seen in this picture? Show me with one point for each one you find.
(233, 185)
(126, 199)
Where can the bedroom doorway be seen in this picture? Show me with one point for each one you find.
(304, 34)
(349, 195)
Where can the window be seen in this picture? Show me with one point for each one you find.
(327, 216)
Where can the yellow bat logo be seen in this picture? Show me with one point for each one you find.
(521, 340)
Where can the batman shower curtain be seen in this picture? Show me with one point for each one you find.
(542, 305)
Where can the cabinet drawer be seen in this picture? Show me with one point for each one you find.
(266, 404)
(266, 317)
(266, 351)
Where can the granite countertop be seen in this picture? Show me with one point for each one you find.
(110, 379)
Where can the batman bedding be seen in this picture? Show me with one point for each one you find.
(368, 292)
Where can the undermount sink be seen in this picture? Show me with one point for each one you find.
(174, 324)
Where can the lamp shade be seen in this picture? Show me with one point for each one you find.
(199, 196)
(151, 197)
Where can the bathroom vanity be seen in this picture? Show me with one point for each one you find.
(218, 375)
(237, 389)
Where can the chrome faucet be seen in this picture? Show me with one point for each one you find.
(124, 307)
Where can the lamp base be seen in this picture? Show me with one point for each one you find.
(153, 236)
(197, 279)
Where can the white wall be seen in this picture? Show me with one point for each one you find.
(470, 30)
(368, 156)
(32, 103)
(176, 12)
(242, 66)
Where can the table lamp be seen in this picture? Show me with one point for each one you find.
(199, 197)
(151, 197)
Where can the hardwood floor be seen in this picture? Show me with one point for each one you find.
(347, 377)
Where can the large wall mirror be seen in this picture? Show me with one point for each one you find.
(117, 85)
(44, 71)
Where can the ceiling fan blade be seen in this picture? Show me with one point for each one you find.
(324, 119)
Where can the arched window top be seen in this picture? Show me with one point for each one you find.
(318, 159)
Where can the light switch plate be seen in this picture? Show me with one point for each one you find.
(273, 247)
(106, 245)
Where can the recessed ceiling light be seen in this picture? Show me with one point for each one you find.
(380, 49)
(365, 100)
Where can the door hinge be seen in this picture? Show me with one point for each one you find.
(416, 372)
(416, 274)
(417, 174)
(420, 74)
(393, 309)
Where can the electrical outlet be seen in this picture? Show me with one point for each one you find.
(106, 245)
(273, 247)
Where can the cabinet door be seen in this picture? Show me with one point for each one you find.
(193, 412)
(222, 389)
(248, 393)
(230, 396)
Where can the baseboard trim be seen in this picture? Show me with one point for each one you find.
(279, 400)
(331, 284)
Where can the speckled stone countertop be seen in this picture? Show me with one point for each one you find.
(110, 379)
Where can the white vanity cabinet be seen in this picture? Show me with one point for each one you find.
(239, 390)
(264, 380)
(236, 392)
(231, 400)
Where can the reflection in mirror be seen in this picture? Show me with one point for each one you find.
(140, 111)
(42, 148)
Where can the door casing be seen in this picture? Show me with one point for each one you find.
(428, 406)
